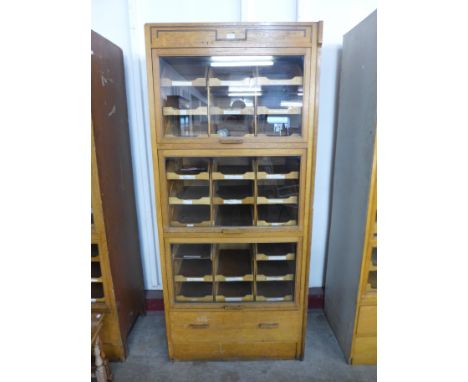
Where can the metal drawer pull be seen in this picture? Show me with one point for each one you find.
(231, 140)
(199, 326)
(268, 325)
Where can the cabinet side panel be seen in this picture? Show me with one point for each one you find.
(352, 172)
(111, 136)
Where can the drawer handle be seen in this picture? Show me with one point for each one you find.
(198, 326)
(230, 141)
(268, 325)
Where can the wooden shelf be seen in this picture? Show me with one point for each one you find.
(187, 171)
(198, 82)
(171, 111)
(248, 110)
(191, 251)
(193, 270)
(265, 81)
(275, 291)
(256, 81)
(234, 292)
(190, 216)
(275, 271)
(275, 252)
(227, 192)
(276, 215)
(263, 110)
(234, 265)
(194, 292)
(194, 193)
(228, 170)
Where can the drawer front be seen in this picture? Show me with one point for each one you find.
(235, 327)
(231, 36)
(367, 321)
(365, 351)
(209, 351)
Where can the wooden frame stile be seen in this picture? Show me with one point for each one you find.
(239, 329)
(369, 242)
(114, 346)
(311, 163)
(154, 149)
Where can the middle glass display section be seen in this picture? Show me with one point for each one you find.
(233, 191)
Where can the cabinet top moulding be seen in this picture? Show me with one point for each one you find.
(189, 35)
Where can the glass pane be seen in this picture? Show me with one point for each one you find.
(234, 272)
(237, 96)
(184, 98)
(233, 191)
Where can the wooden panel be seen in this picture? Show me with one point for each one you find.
(367, 321)
(238, 35)
(115, 178)
(365, 351)
(235, 326)
(256, 350)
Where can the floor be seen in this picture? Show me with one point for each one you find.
(323, 362)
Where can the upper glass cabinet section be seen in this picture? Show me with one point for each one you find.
(232, 96)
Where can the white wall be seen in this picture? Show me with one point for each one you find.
(122, 22)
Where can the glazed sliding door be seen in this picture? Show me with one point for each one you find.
(212, 97)
(221, 192)
(246, 271)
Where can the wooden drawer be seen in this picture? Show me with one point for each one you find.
(186, 36)
(235, 327)
(258, 350)
(367, 321)
(365, 351)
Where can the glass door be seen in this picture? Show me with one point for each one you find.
(234, 272)
(244, 191)
(251, 96)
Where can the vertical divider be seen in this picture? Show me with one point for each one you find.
(254, 163)
(254, 256)
(208, 96)
(255, 102)
(210, 179)
(213, 285)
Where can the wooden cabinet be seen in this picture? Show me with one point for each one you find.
(116, 274)
(351, 278)
(233, 111)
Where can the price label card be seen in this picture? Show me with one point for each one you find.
(187, 201)
(275, 299)
(194, 279)
(274, 278)
(190, 225)
(277, 200)
(276, 224)
(232, 201)
(275, 176)
(274, 258)
(234, 278)
(186, 176)
(233, 176)
(231, 112)
(232, 299)
(181, 83)
(182, 112)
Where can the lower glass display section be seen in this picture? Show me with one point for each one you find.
(234, 272)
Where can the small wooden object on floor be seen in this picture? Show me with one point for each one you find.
(100, 369)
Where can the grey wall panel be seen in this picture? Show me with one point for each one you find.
(352, 171)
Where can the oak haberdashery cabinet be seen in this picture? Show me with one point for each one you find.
(351, 277)
(116, 273)
(233, 112)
